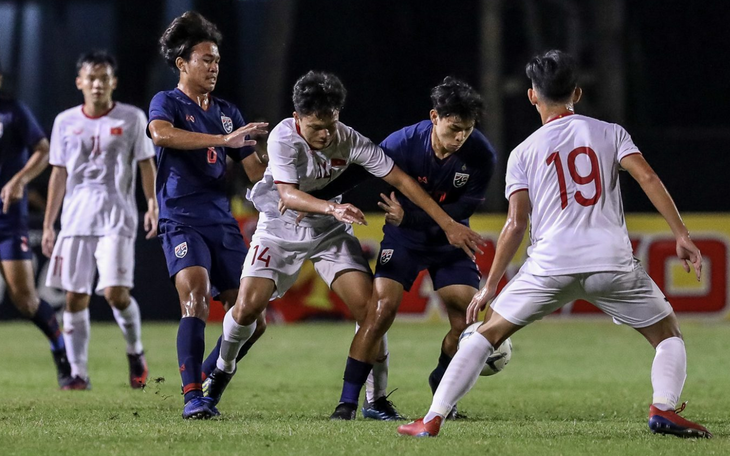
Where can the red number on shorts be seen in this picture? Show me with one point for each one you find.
(593, 176)
(260, 256)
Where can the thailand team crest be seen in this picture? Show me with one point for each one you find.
(460, 179)
(386, 255)
(181, 249)
(227, 123)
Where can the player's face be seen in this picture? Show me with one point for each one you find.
(96, 82)
(450, 132)
(201, 70)
(318, 131)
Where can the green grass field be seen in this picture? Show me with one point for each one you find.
(572, 387)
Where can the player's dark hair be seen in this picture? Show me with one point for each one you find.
(318, 93)
(184, 33)
(456, 98)
(97, 57)
(553, 74)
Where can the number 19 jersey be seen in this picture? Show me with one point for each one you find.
(569, 168)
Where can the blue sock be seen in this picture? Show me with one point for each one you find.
(45, 320)
(356, 373)
(438, 373)
(190, 351)
(209, 363)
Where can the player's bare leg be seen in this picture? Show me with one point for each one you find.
(127, 314)
(76, 333)
(461, 375)
(18, 275)
(668, 372)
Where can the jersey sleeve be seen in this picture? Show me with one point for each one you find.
(370, 156)
(161, 109)
(57, 154)
(238, 122)
(283, 162)
(31, 132)
(393, 148)
(143, 148)
(516, 178)
(624, 144)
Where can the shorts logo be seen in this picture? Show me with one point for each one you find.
(227, 123)
(181, 250)
(460, 179)
(24, 243)
(386, 255)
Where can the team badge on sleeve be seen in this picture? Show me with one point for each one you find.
(181, 249)
(227, 123)
(386, 255)
(460, 179)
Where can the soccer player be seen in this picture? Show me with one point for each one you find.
(193, 133)
(453, 162)
(564, 180)
(95, 151)
(306, 153)
(20, 134)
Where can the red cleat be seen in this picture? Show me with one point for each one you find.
(137, 370)
(669, 422)
(420, 429)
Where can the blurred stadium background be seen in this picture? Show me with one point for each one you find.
(657, 67)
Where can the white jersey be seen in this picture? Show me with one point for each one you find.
(100, 155)
(570, 168)
(292, 161)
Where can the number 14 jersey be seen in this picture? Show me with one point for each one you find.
(569, 167)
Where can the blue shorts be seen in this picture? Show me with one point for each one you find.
(15, 247)
(220, 249)
(402, 264)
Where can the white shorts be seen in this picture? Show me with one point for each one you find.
(631, 298)
(76, 259)
(278, 250)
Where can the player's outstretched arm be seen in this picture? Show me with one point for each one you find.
(640, 170)
(56, 190)
(12, 192)
(458, 235)
(297, 200)
(148, 172)
(164, 134)
(509, 241)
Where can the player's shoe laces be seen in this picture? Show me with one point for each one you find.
(420, 429)
(381, 409)
(215, 384)
(63, 368)
(669, 422)
(344, 411)
(137, 370)
(199, 408)
(77, 383)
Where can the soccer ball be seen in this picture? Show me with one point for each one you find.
(497, 360)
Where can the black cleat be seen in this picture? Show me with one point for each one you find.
(63, 368)
(215, 384)
(138, 371)
(381, 409)
(344, 411)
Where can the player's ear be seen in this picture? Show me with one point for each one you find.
(434, 116)
(577, 94)
(296, 117)
(180, 64)
(78, 82)
(532, 96)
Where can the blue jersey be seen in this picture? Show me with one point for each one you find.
(191, 183)
(457, 183)
(19, 133)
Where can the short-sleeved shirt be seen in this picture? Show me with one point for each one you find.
(570, 168)
(19, 133)
(460, 176)
(292, 161)
(100, 155)
(191, 187)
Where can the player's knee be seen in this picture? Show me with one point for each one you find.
(117, 297)
(76, 302)
(385, 312)
(26, 302)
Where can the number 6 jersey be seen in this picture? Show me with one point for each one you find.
(569, 168)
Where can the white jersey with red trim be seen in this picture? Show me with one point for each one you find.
(292, 161)
(569, 168)
(100, 155)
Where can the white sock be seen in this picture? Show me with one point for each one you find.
(461, 375)
(234, 336)
(76, 330)
(130, 322)
(668, 372)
